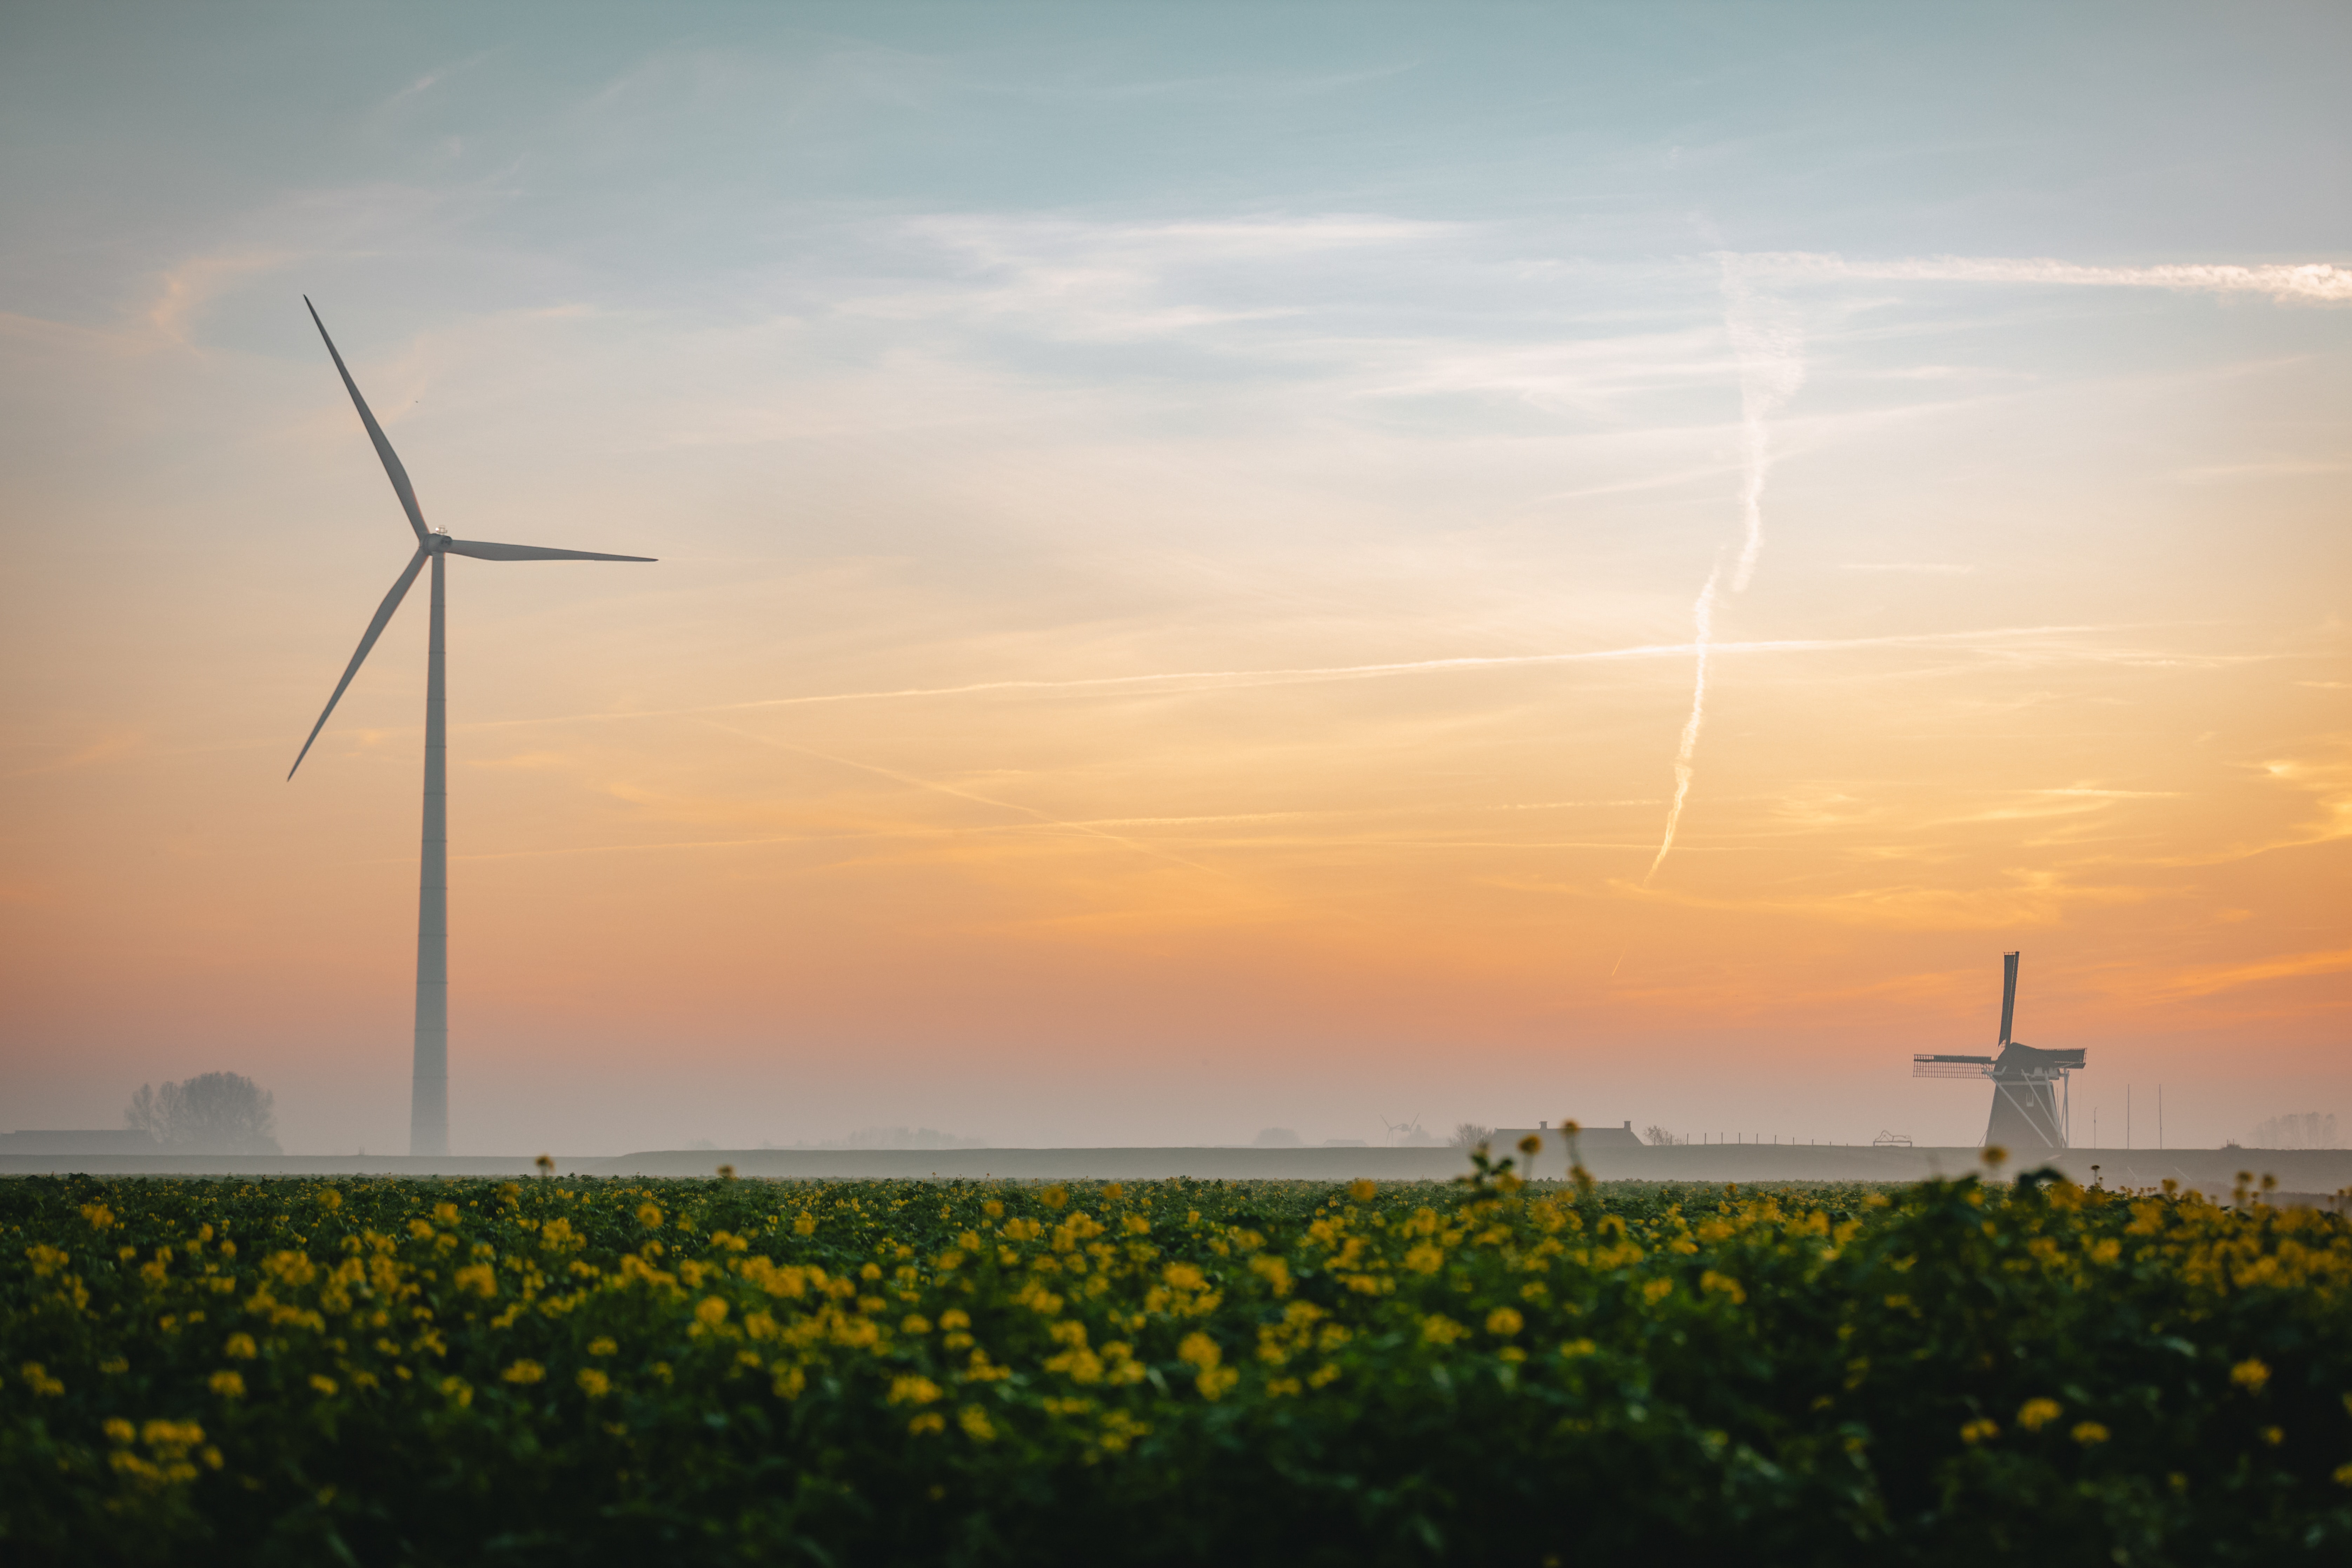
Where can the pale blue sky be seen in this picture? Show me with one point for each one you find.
(936, 345)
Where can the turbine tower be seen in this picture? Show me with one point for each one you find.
(429, 1110)
(2028, 1117)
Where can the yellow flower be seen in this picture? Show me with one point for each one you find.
(1361, 1189)
(524, 1371)
(1979, 1431)
(1424, 1259)
(1215, 1381)
(2274, 1436)
(976, 1424)
(1722, 1284)
(1575, 1348)
(1503, 1320)
(710, 1312)
(1437, 1328)
(119, 1430)
(241, 1347)
(603, 1345)
(595, 1383)
(914, 1324)
(2250, 1374)
(2088, 1433)
(649, 1216)
(1201, 1350)
(2036, 1414)
(325, 1385)
(229, 1384)
(929, 1422)
(2343, 1477)
(913, 1389)
(458, 1392)
(445, 1212)
(954, 1317)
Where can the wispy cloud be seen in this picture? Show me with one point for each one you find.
(2205, 979)
(194, 283)
(2316, 283)
(2008, 642)
(1926, 568)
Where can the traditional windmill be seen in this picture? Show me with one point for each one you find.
(2031, 1090)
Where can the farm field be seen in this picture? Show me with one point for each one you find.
(582, 1371)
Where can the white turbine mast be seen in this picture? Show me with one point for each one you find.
(428, 1113)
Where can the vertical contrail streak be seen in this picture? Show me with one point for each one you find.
(1702, 618)
(1771, 368)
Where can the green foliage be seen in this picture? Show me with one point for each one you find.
(386, 1372)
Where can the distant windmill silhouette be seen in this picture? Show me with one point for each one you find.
(2028, 1117)
(428, 1113)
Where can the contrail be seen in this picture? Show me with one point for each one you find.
(1770, 351)
(1242, 680)
(1703, 617)
(2315, 282)
(1771, 369)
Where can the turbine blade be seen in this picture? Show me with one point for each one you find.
(399, 476)
(483, 551)
(375, 629)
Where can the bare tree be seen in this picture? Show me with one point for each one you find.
(1276, 1137)
(1469, 1135)
(211, 1114)
(1655, 1134)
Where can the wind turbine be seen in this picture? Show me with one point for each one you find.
(428, 1110)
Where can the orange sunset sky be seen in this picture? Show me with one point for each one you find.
(1187, 542)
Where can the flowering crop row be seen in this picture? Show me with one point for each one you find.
(881, 1372)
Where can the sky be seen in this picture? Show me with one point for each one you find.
(1220, 566)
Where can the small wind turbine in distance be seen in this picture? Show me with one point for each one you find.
(428, 1113)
